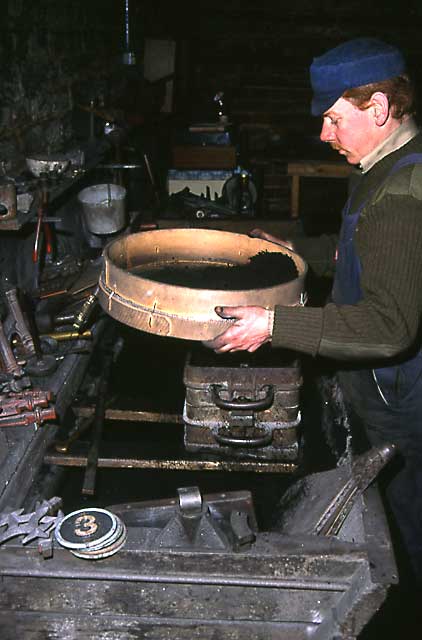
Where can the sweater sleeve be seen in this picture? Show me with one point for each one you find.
(298, 328)
(386, 321)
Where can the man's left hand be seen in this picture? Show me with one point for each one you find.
(251, 329)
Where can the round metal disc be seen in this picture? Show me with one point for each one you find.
(103, 544)
(86, 528)
(105, 552)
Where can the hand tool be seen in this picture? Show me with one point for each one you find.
(15, 323)
(7, 358)
(37, 524)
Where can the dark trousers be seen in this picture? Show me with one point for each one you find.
(390, 413)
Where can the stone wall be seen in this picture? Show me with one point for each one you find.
(54, 56)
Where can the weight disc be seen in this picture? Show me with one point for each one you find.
(87, 528)
(104, 552)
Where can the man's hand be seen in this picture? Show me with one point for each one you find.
(263, 235)
(253, 327)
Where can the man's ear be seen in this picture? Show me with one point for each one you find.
(381, 107)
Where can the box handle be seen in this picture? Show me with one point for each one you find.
(258, 441)
(243, 404)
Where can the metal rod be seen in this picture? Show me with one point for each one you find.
(82, 425)
(151, 177)
(118, 165)
(91, 120)
(271, 583)
(65, 336)
(127, 26)
(100, 408)
(130, 415)
(76, 460)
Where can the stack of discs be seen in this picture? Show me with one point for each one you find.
(91, 533)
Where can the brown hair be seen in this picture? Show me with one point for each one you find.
(399, 91)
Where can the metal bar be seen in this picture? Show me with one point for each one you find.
(131, 416)
(151, 177)
(78, 460)
(127, 26)
(119, 165)
(66, 336)
(218, 580)
(81, 425)
(88, 487)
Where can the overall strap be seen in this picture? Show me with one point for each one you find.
(411, 158)
(346, 290)
(346, 286)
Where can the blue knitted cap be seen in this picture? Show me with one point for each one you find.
(352, 64)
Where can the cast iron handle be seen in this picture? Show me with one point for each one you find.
(242, 404)
(258, 441)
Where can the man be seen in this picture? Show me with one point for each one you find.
(371, 326)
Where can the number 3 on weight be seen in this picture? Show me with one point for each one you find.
(85, 525)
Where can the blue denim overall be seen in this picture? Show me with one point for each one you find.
(387, 400)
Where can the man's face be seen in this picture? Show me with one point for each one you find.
(351, 131)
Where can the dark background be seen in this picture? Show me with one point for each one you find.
(58, 57)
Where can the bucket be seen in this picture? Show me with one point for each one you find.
(103, 208)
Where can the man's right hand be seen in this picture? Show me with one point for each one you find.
(253, 327)
(263, 235)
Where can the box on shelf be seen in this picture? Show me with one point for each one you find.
(197, 181)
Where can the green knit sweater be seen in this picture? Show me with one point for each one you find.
(388, 241)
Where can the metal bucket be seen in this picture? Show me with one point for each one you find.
(104, 208)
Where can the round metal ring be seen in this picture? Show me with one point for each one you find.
(88, 532)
